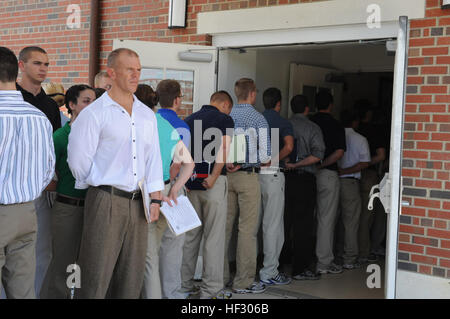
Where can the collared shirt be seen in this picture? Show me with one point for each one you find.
(27, 158)
(284, 127)
(357, 152)
(308, 139)
(107, 146)
(66, 181)
(168, 139)
(181, 126)
(250, 122)
(207, 118)
(44, 103)
(333, 134)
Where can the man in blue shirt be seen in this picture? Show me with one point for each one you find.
(272, 181)
(27, 146)
(171, 251)
(244, 193)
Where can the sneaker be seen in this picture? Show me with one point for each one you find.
(331, 269)
(352, 266)
(307, 275)
(187, 292)
(255, 288)
(372, 258)
(279, 279)
(363, 260)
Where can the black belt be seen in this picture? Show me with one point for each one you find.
(350, 178)
(250, 169)
(69, 201)
(121, 193)
(297, 171)
(167, 182)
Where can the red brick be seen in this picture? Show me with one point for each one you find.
(428, 183)
(440, 156)
(435, 51)
(417, 118)
(442, 99)
(422, 23)
(412, 229)
(443, 176)
(418, 98)
(441, 118)
(443, 60)
(435, 13)
(443, 41)
(440, 224)
(429, 146)
(424, 259)
(427, 203)
(437, 233)
(439, 214)
(411, 248)
(416, 80)
(441, 137)
(411, 172)
(422, 241)
(432, 108)
(444, 263)
(445, 244)
(405, 238)
(438, 252)
(428, 174)
(425, 269)
(434, 89)
(434, 70)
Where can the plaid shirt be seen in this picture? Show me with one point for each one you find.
(250, 122)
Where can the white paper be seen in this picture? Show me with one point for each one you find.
(145, 199)
(181, 218)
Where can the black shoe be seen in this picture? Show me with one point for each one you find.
(307, 275)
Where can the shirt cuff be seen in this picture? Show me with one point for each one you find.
(155, 186)
(81, 185)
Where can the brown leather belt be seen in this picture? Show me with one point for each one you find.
(118, 192)
(69, 201)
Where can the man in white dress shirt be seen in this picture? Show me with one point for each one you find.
(112, 146)
(355, 159)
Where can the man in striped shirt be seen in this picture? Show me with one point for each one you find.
(27, 164)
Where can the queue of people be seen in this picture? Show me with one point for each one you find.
(302, 184)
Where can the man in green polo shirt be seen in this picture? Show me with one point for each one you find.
(67, 212)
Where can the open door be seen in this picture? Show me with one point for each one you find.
(309, 80)
(393, 179)
(194, 66)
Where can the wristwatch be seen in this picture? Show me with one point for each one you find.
(156, 201)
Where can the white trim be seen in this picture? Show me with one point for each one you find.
(308, 15)
(307, 35)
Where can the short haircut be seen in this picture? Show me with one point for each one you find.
(299, 104)
(362, 106)
(146, 95)
(243, 87)
(348, 117)
(168, 91)
(25, 53)
(271, 97)
(9, 66)
(112, 57)
(55, 91)
(221, 96)
(99, 92)
(73, 93)
(323, 100)
(98, 76)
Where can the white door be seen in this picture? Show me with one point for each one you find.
(161, 61)
(309, 80)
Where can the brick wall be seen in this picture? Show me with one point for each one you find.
(425, 225)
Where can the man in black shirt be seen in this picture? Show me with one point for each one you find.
(208, 194)
(33, 65)
(327, 180)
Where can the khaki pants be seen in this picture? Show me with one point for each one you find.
(211, 207)
(244, 198)
(152, 281)
(271, 215)
(327, 206)
(18, 226)
(369, 178)
(66, 226)
(113, 247)
(350, 200)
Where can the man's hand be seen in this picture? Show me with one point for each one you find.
(209, 181)
(231, 168)
(290, 166)
(154, 212)
(173, 194)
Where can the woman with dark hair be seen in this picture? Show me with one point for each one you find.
(67, 211)
(173, 151)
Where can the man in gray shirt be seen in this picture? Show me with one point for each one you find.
(301, 190)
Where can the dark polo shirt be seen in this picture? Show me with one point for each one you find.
(45, 104)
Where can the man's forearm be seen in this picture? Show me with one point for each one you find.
(333, 158)
(354, 169)
(310, 160)
(156, 195)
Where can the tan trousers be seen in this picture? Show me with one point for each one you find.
(244, 198)
(18, 226)
(66, 228)
(152, 280)
(113, 247)
(211, 208)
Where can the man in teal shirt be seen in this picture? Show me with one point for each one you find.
(174, 151)
(67, 211)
